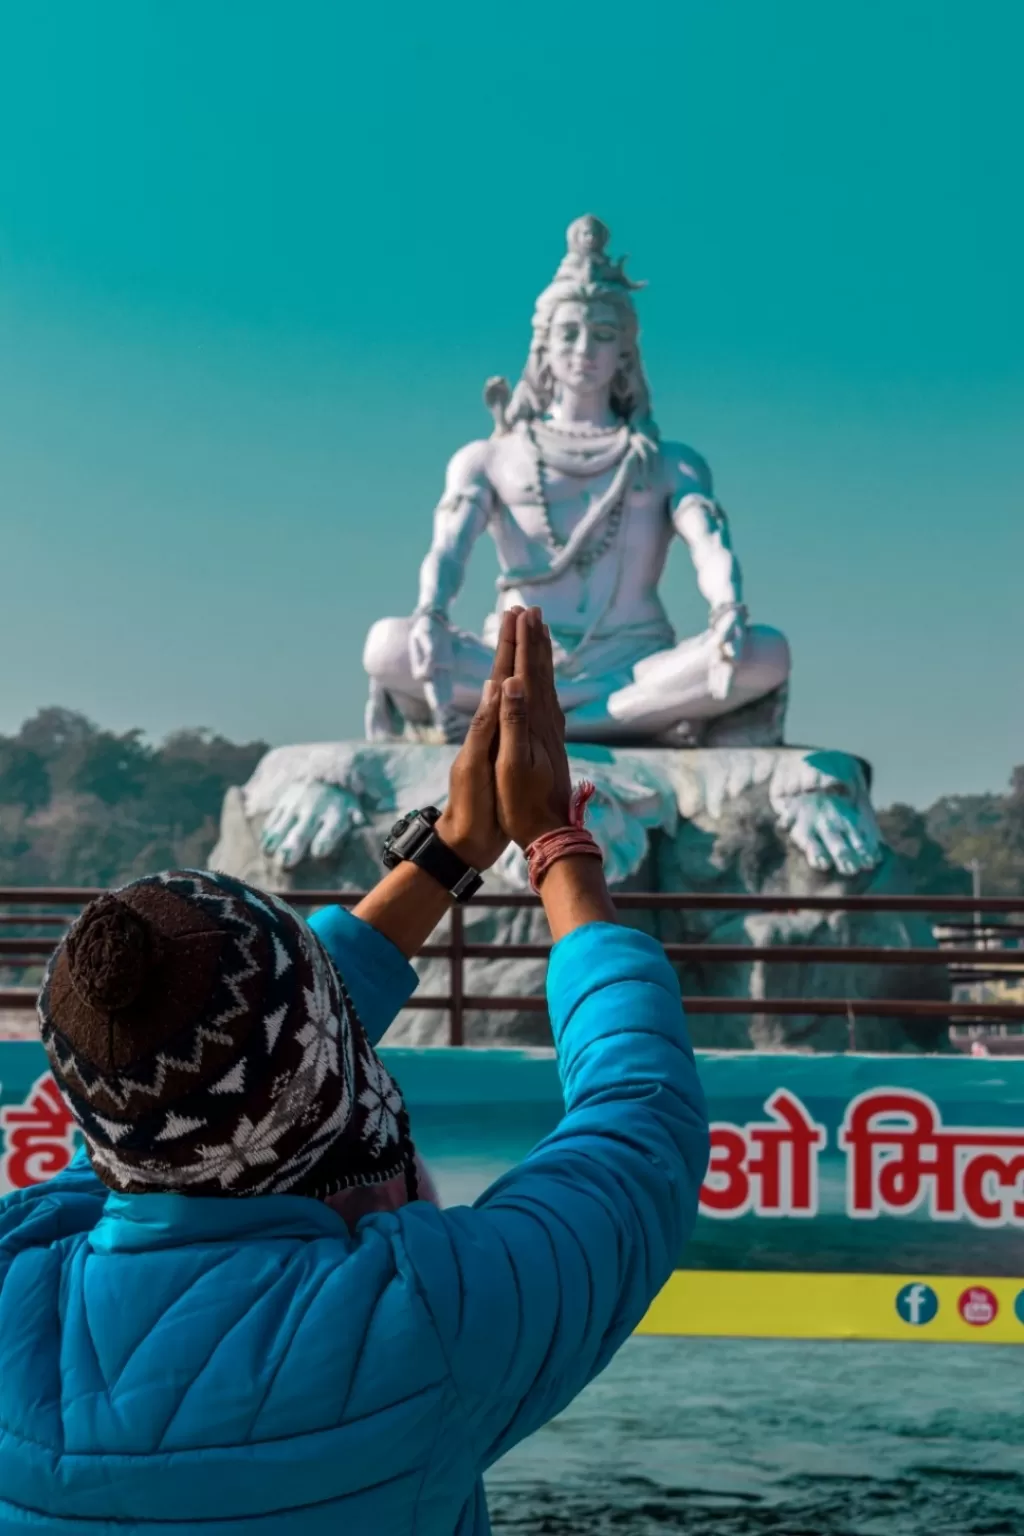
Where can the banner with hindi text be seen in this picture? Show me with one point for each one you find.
(847, 1196)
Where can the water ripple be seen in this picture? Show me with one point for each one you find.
(740, 1438)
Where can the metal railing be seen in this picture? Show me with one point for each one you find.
(31, 950)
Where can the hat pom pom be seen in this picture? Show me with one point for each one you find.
(110, 954)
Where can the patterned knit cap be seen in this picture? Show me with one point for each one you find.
(206, 1045)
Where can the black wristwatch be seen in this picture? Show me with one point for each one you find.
(414, 840)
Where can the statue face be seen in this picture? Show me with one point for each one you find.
(584, 345)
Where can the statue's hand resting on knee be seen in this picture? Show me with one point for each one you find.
(432, 659)
(430, 647)
(728, 630)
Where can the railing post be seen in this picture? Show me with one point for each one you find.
(456, 1033)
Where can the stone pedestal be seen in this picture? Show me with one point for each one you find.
(778, 820)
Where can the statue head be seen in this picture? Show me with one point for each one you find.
(588, 288)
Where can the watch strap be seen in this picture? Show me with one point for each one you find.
(438, 861)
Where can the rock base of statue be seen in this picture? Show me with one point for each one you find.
(780, 821)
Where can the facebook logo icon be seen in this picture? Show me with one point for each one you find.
(917, 1304)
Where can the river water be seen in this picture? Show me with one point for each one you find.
(744, 1438)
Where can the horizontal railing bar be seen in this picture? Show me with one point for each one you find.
(799, 1006)
(673, 901)
(656, 901)
(697, 954)
(857, 1007)
(35, 919)
(744, 954)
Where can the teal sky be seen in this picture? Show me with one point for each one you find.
(256, 261)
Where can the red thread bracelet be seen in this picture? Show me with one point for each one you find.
(567, 842)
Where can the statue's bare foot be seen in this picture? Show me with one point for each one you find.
(834, 834)
(823, 805)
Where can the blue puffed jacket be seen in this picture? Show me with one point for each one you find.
(171, 1365)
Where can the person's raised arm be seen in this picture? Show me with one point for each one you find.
(534, 1289)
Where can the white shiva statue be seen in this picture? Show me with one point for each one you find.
(582, 500)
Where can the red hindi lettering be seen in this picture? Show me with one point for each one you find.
(891, 1142)
(726, 1190)
(768, 1167)
(900, 1156)
(787, 1159)
(993, 1188)
(39, 1136)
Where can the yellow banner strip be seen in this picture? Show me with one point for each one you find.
(759, 1304)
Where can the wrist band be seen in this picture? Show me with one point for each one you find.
(721, 609)
(567, 842)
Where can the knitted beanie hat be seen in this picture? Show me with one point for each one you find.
(206, 1044)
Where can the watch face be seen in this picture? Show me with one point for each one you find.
(408, 836)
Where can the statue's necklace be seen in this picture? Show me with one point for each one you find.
(585, 464)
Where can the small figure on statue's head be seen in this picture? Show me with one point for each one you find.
(582, 499)
(585, 257)
(587, 237)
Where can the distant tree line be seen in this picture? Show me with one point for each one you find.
(943, 843)
(83, 806)
(80, 805)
